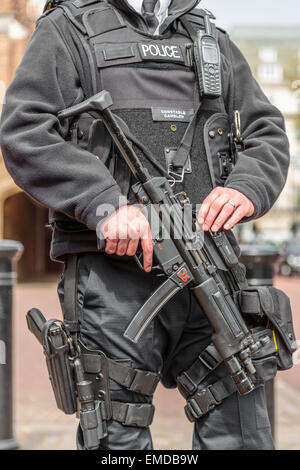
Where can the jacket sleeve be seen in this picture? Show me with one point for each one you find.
(262, 168)
(54, 172)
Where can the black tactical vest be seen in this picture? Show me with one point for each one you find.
(153, 86)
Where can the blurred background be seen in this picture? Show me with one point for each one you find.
(268, 33)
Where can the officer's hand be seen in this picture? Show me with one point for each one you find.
(123, 231)
(224, 205)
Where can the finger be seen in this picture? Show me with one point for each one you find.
(122, 247)
(134, 230)
(238, 215)
(132, 247)
(206, 205)
(147, 247)
(111, 246)
(214, 211)
(225, 213)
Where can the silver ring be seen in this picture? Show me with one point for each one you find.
(232, 204)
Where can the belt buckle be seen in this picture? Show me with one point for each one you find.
(144, 382)
(139, 415)
(200, 404)
(186, 384)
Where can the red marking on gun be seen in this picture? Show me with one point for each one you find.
(183, 275)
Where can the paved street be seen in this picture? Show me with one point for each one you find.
(39, 425)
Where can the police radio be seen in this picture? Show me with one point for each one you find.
(208, 62)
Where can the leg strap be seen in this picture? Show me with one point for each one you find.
(207, 399)
(135, 380)
(131, 414)
(206, 362)
(98, 369)
(201, 401)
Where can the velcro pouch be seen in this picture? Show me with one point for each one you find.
(265, 360)
(271, 306)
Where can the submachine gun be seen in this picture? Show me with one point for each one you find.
(184, 260)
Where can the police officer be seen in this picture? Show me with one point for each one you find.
(142, 57)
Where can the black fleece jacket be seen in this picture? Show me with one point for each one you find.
(68, 179)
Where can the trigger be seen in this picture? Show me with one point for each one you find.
(139, 260)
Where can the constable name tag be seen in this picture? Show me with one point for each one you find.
(164, 52)
(172, 114)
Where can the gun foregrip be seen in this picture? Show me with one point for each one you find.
(35, 322)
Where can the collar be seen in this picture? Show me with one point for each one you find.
(160, 7)
(177, 8)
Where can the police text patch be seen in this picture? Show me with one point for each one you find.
(163, 52)
(172, 114)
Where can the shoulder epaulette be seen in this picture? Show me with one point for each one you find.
(221, 30)
(197, 15)
(201, 12)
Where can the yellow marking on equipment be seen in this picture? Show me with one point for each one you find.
(274, 336)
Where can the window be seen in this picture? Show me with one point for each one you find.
(268, 54)
(270, 73)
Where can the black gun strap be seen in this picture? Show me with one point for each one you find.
(70, 295)
(186, 143)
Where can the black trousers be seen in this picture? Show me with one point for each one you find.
(110, 291)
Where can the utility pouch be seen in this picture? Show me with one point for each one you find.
(270, 307)
(56, 343)
(265, 360)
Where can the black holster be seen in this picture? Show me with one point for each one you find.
(57, 353)
(73, 390)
